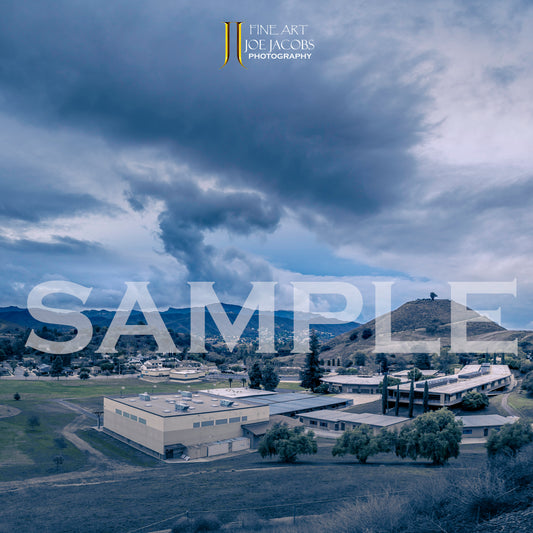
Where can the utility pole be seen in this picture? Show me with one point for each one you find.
(99, 415)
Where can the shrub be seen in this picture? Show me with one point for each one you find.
(510, 439)
(367, 333)
(526, 366)
(474, 401)
(33, 421)
(527, 384)
(353, 336)
(415, 374)
(322, 389)
(287, 443)
(16, 396)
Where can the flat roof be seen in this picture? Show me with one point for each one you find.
(238, 392)
(353, 379)
(164, 404)
(474, 421)
(425, 372)
(356, 418)
(458, 385)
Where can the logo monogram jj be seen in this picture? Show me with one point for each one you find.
(239, 53)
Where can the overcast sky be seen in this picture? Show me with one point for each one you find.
(402, 150)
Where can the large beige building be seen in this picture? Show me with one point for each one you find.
(185, 424)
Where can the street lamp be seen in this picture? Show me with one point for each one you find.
(122, 391)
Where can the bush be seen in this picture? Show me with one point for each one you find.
(197, 525)
(287, 443)
(353, 336)
(33, 421)
(527, 384)
(510, 439)
(322, 389)
(415, 374)
(367, 333)
(474, 401)
(16, 396)
(526, 366)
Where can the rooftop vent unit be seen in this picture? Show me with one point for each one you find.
(166, 411)
(485, 368)
(144, 396)
(226, 403)
(186, 394)
(170, 401)
(469, 375)
(181, 407)
(197, 401)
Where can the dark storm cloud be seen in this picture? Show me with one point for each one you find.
(143, 72)
(330, 143)
(190, 211)
(60, 245)
(31, 195)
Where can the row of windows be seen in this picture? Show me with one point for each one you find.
(132, 417)
(220, 421)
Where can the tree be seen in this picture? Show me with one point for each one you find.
(84, 374)
(16, 396)
(434, 435)
(360, 442)
(382, 361)
(422, 361)
(411, 398)
(311, 374)
(474, 401)
(323, 388)
(432, 295)
(397, 405)
(33, 421)
(57, 367)
(445, 360)
(510, 438)
(360, 359)
(287, 443)
(269, 377)
(425, 400)
(415, 374)
(384, 394)
(527, 383)
(255, 376)
(367, 333)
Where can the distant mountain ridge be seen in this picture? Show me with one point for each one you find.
(178, 319)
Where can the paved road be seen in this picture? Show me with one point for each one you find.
(505, 406)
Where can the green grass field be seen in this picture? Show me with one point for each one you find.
(72, 388)
(522, 402)
(29, 452)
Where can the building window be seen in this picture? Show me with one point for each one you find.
(207, 423)
(323, 424)
(118, 411)
(467, 431)
(312, 422)
(127, 415)
(221, 421)
(133, 417)
(234, 419)
(142, 420)
(244, 418)
(196, 425)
